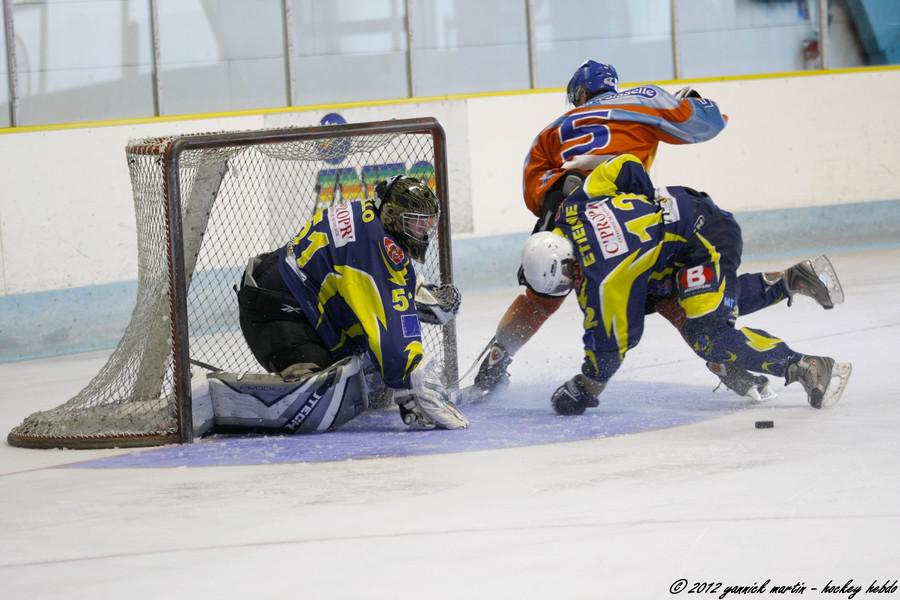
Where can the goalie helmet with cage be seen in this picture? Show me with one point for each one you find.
(410, 212)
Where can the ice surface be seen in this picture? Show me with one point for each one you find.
(621, 514)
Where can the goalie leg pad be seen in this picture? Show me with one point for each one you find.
(202, 413)
(322, 401)
(431, 408)
(427, 404)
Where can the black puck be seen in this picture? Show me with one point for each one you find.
(765, 424)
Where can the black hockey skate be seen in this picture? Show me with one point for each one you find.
(814, 278)
(823, 379)
(492, 374)
(743, 383)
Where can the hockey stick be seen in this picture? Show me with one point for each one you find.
(203, 365)
(480, 356)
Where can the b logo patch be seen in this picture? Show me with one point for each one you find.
(698, 279)
(394, 251)
(697, 276)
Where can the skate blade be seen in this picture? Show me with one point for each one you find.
(840, 374)
(758, 396)
(828, 276)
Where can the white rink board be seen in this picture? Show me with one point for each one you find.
(66, 216)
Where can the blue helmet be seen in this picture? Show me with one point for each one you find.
(594, 78)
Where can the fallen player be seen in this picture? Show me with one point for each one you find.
(617, 240)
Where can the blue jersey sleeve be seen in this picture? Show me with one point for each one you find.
(686, 121)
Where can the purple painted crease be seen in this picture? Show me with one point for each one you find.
(520, 417)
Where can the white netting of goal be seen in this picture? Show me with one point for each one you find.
(238, 198)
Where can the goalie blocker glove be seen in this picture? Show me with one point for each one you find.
(573, 397)
(437, 304)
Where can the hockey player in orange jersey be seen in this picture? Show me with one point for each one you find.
(605, 123)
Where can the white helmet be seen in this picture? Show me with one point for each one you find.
(549, 264)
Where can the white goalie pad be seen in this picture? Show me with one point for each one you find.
(242, 402)
(430, 409)
(427, 404)
(840, 375)
(201, 404)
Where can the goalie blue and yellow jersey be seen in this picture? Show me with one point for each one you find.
(629, 248)
(633, 122)
(356, 285)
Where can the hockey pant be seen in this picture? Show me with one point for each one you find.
(707, 304)
(714, 337)
(274, 326)
(708, 293)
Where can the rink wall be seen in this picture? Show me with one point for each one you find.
(810, 162)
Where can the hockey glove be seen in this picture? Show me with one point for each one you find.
(572, 397)
(437, 304)
(687, 92)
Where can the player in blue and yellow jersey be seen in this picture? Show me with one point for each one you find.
(621, 249)
(340, 295)
(605, 123)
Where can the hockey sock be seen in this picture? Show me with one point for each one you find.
(524, 318)
(755, 293)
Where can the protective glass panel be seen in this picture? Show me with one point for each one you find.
(633, 36)
(348, 50)
(219, 55)
(4, 77)
(743, 37)
(81, 61)
(464, 46)
(862, 33)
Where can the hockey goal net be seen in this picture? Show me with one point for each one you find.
(204, 205)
